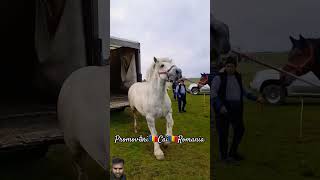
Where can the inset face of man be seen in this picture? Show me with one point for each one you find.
(118, 168)
(230, 68)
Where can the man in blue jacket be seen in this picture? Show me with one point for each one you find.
(181, 93)
(227, 93)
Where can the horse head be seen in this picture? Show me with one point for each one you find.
(204, 79)
(219, 37)
(301, 59)
(166, 69)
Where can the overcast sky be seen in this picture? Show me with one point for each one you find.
(265, 25)
(178, 29)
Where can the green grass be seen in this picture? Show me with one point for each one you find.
(182, 161)
(271, 143)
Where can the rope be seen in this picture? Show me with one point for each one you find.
(275, 68)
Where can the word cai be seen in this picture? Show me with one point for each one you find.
(159, 139)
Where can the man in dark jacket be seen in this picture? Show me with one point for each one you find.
(174, 85)
(227, 93)
(181, 93)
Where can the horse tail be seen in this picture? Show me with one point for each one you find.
(130, 97)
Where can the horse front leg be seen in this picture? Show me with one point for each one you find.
(169, 126)
(157, 150)
(79, 157)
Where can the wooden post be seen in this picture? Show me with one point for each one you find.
(301, 117)
(204, 102)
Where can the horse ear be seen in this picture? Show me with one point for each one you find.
(155, 59)
(293, 40)
(303, 41)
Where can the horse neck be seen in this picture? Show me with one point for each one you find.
(158, 85)
(316, 68)
(317, 52)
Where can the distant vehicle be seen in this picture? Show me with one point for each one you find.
(268, 83)
(202, 87)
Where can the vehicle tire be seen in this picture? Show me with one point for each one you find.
(274, 93)
(195, 90)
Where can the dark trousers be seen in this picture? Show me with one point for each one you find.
(174, 93)
(234, 116)
(182, 101)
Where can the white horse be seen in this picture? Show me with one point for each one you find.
(83, 113)
(151, 99)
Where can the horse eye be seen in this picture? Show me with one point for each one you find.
(162, 65)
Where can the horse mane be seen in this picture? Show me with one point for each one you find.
(152, 68)
(316, 43)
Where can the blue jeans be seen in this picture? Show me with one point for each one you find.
(182, 101)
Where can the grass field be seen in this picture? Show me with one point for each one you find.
(271, 143)
(182, 161)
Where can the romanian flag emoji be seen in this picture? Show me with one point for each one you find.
(153, 138)
(173, 138)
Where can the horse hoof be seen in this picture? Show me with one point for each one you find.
(160, 156)
(135, 131)
(166, 144)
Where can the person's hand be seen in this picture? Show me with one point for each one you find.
(223, 110)
(260, 100)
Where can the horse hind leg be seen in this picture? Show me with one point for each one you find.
(135, 116)
(78, 160)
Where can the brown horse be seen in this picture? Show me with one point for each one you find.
(303, 57)
(203, 80)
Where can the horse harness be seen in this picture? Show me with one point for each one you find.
(167, 72)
